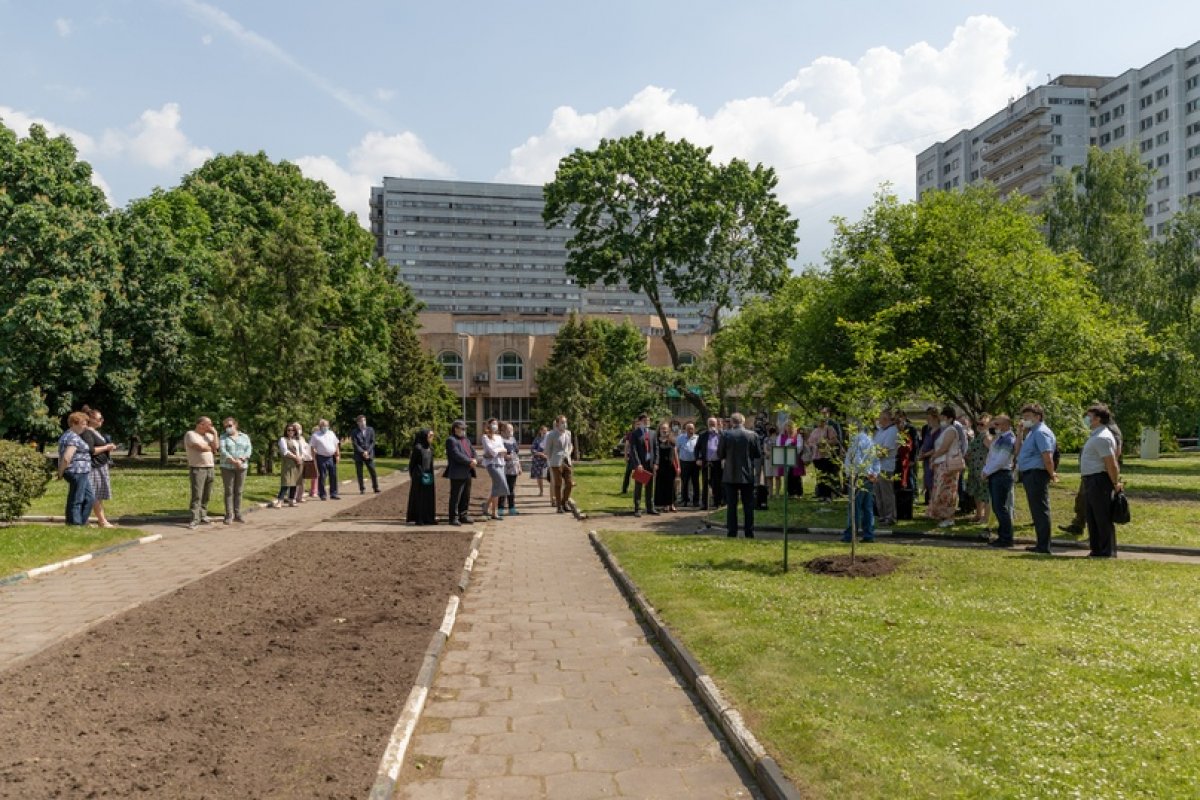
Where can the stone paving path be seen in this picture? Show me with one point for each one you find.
(549, 689)
(38, 612)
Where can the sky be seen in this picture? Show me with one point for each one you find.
(837, 97)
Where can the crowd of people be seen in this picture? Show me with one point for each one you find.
(965, 467)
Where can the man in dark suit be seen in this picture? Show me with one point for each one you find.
(460, 470)
(709, 463)
(363, 438)
(739, 448)
(643, 452)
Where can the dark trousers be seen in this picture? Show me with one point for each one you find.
(1037, 493)
(1000, 486)
(628, 472)
(648, 490)
(359, 463)
(79, 497)
(1080, 519)
(511, 480)
(744, 492)
(712, 480)
(460, 497)
(1102, 533)
(826, 478)
(689, 483)
(327, 466)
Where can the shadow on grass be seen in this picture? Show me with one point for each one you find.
(764, 568)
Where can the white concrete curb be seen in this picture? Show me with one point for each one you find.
(83, 559)
(392, 762)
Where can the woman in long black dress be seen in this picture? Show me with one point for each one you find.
(421, 499)
(668, 469)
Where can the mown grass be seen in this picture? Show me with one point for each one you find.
(143, 489)
(1164, 496)
(23, 547)
(967, 673)
(598, 487)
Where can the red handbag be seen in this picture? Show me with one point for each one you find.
(642, 475)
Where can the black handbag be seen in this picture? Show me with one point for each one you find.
(1120, 509)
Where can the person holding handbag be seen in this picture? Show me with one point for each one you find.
(643, 456)
(422, 499)
(948, 461)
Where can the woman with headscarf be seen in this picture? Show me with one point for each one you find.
(421, 498)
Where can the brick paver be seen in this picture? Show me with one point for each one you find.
(548, 688)
(38, 612)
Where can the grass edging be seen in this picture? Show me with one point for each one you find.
(390, 765)
(971, 538)
(81, 559)
(770, 778)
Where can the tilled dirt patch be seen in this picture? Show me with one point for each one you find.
(393, 504)
(841, 566)
(278, 677)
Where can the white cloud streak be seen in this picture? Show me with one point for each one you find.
(214, 16)
(62, 25)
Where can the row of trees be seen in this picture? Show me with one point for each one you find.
(986, 301)
(245, 291)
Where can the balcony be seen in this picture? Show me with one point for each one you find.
(1034, 153)
(1008, 126)
(1028, 174)
(1016, 140)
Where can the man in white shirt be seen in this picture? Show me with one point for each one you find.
(200, 444)
(326, 447)
(886, 440)
(559, 450)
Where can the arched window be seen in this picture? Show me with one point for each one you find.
(686, 359)
(510, 367)
(452, 365)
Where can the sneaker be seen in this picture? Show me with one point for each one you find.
(291, 503)
(275, 504)
(559, 509)
(239, 519)
(455, 522)
(496, 517)
(192, 525)
(845, 538)
(229, 520)
(635, 513)
(946, 523)
(465, 520)
(206, 521)
(512, 512)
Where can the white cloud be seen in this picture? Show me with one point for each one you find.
(834, 131)
(19, 122)
(206, 39)
(376, 156)
(385, 95)
(155, 140)
(63, 26)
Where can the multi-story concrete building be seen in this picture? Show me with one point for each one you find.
(482, 248)
(1154, 109)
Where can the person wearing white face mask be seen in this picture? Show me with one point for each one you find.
(948, 460)
(559, 452)
(235, 459)
(1036, 465)
(1101, 478)
(326, 447)
(495, 456)
(708, 462)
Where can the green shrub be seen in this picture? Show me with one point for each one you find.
(24, 473)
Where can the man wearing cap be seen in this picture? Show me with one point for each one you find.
(460, 469)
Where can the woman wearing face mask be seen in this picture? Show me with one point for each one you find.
(291, 465)
(948, 463)
(495, 458)
(1101, 474)
(512, 467)
(668, 469)
(422, 501)
(308, 468)
(539, 466)
(977, 455)
(235, 458)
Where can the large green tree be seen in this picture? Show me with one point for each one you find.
(58, 272)
(300, 308)
(659, 216)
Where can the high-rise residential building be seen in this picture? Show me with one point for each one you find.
(1154, 110)
(482, 248)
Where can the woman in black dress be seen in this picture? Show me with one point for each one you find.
(668, 469)
(421, 500)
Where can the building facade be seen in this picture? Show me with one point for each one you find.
(1154, 110)
(491, 360)
(482, 248)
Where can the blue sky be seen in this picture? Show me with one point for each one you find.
(837, 96)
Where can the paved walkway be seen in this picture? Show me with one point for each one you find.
(39, 612)
(548, 688)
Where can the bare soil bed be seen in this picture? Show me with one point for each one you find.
(278, 677)
(840, 566)
(393, 504)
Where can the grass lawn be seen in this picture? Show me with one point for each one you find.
(598, 487)
(144, 489)
(967, 673)
(23, 547)
(1164, 496)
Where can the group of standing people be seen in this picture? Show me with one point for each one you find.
(84, 458)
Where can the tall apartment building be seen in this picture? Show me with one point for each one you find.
(482, 248)
(1154, 109)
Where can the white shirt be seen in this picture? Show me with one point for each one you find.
(493, 449)
(325, 444)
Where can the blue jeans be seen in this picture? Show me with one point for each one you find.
(326, 465)
(864, 508)
(79, 497)
(1000, 486)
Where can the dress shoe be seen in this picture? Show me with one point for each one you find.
(1000, 543)
(1035, 549)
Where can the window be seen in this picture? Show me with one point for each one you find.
(1056, 119)
(1192, 152)
(1056, 139)
(1192, 129)
(1119, 111)
(1193, 175)
(510, 367)
(1163, 183)
(1056, 160)
(1191, 106)
(1163, 116)
(1163, 160)
(1162, 138)
(686, 359)
(1145, 145)
(452, 365)
(1145, 101)
(1192, 82)
(1161, 93)
(1164, 206)
(1106, 117)
(1146, 124)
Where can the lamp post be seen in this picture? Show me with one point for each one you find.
(462, 352)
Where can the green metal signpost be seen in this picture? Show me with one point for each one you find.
(784, 455)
